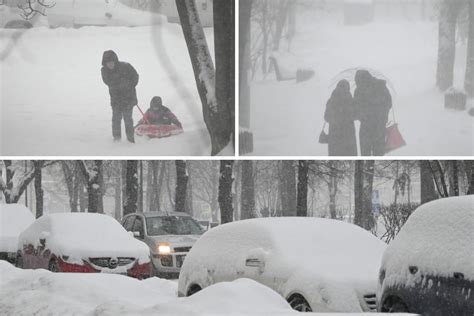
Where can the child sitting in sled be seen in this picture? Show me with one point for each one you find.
(158, 121)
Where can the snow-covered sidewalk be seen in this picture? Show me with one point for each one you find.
(53, 100)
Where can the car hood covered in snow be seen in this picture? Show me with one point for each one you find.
(84, 235)
(332, 263)
(437, 238)
(14, 218)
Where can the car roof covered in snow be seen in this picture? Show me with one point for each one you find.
(437, 238)
(83, 234)
(14, 218)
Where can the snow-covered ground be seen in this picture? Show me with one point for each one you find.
(40, 292)
(53, 100)
(286, 117)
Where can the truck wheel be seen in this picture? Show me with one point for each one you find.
(53, 265)
(299, 303)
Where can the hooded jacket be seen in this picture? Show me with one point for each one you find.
(372, 100)
(121, 81)
(340, 116)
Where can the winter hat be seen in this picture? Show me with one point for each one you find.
(109, 55)
(362, 77)
(156, 102)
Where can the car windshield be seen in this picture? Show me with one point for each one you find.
(172, 225)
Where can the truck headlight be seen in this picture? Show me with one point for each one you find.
(164, 249)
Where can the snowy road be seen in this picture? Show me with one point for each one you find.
(53, 100)
(286, 117)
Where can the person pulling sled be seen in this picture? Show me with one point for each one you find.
(158, 121)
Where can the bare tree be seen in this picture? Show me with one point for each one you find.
(248, 190)
(131, 187)
(288, 188)
(363, 183)
(225, 191)
(39, 193)
(449, 11)
(469, 78)
(216, 115)
(302, 193)
(181, 186)
(427, 188)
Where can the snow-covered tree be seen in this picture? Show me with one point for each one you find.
(181, 186)
(131, 188)
(92, 173)
(302, 189)
(247, 190)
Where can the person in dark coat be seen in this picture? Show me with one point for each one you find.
(372, 102)
(340, 116)
(121, 78)
(158, 114)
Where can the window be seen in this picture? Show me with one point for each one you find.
(138, 225)
(128, 223)
(173, 225)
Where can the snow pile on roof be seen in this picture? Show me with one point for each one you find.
(83, 235)
(437, 238)
(14, 218)
(333, 262)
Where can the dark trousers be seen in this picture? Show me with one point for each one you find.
(372, 140)
(117, 114)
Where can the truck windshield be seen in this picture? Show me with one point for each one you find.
(172, 225)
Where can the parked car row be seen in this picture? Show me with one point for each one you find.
(316, 264)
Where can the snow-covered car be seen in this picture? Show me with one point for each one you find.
(14, 218)
(11, 15)
(82, 242)
(170, 237)
(315, 264)
(429, 267)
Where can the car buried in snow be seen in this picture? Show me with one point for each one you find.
(170, 236)
(428, 268)
(14, 218)
(82, 242)
(316, 264)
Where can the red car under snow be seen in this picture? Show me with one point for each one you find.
(82, 242)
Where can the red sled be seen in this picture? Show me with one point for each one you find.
(394, 138)
(157, 131)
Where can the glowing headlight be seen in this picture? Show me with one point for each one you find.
(164, 249)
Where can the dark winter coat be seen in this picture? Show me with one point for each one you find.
(121, 81)
(372, 101)
(340, 116)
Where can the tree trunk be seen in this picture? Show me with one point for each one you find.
(288, 193)
(131, 188)
(469, 169)
(332, 188)
(224, 50)
(454, 178)
(302, 194)
(247, 190)
(438, 176)
(469, 79)
(189, 192)
(446, 44)
(367, 194)
(281, 18)
(358, 193)
(225, 191)
(140, 187)
(38, 165)
(181, 186)
(427, 189)
(117, 183)
(216, 116)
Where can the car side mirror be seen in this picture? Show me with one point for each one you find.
(138, 234)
